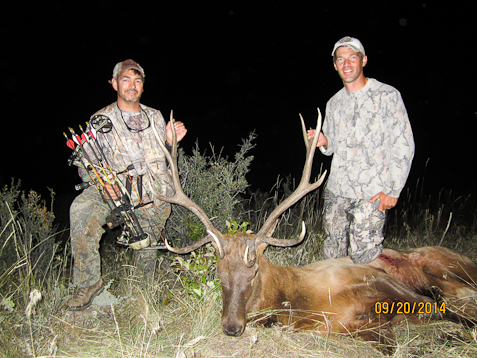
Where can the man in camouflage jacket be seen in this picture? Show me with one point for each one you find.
(367, 131)
(131, 149)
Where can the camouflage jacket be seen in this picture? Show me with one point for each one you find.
(135, 151)
(371, 140)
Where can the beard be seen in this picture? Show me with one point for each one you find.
(131, 96)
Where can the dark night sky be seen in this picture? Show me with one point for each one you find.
(229, 68)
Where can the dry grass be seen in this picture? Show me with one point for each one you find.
(187, 327)
(158, 318)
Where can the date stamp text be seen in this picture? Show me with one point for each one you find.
(409, 308)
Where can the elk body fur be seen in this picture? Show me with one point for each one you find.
(332, 296)
(338, 296)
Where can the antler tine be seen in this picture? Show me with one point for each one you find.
(303, 130)
(174, 137)
(303, 188)
(180, 198)
(284, 242)
(196, 245)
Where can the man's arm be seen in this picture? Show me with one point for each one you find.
(401, 152)
(401, 145)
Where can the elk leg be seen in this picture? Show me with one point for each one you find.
(397, 290)
(401, 292)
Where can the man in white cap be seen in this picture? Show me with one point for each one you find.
(367, 131)
(129, 144)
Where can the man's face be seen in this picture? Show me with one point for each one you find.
(129, 86)
(349, 64)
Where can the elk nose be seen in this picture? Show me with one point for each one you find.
(233, 331)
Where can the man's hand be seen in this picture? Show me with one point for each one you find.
(385, 201)
(180, 131)
(322, 140)
(111, 192)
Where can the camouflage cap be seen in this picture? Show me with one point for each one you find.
(351, 42)
(127, 65)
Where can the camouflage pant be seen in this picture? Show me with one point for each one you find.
(355, 223)
(88, 214)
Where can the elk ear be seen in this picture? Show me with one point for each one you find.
(261, 248)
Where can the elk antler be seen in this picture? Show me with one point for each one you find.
(303, 188)
(180, 198)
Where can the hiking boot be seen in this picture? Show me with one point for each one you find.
(84, 296)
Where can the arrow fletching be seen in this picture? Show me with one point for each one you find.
(69, 142)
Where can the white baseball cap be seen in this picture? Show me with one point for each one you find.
(351, 42)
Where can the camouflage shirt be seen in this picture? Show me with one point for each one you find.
(130, 146)
(371, 138)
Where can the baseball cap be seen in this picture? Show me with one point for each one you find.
(127, 65)
(352, 42)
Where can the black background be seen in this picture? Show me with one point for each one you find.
(227, 68)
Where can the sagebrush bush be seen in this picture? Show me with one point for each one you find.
(8, 212)
(216, 184)
(27, 235)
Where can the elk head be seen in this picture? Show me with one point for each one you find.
(240, 255)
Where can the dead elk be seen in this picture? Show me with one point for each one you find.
(333, 296)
